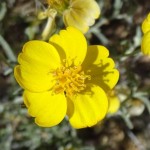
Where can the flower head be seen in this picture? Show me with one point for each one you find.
(77, 13)
(66, 77)
(145, 44)
(59, 5)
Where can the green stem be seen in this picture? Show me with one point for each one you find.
(126, 119)
(49, 25)
(7, 49)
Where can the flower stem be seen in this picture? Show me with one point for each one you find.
(7, 49)
(49, 25)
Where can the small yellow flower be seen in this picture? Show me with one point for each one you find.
(145, 44)
(114, 102)
(146, 24)
(66, 77)
(59, 5)
(77, 13)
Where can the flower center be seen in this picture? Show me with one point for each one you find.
(70, 80)
(59, 5)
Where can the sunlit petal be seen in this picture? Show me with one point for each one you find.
(89, 108)
(73, 42)
(37, 60)
(48, 109)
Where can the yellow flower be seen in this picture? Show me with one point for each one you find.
(146, 24)
(145, 44)
(66, 77)
(77, 13)
(114, 102)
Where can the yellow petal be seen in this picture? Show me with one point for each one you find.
(114, 105)
(114, 102)
(38, 60)
(81, 14)
(146, 24)
(35, 82)
(72, 18)
(89, 108)
(145, 45)
(39, 55)
(100, 67)
(94, 55)
(90, 7)
(73, 42)
(47, 108)
(104, 77)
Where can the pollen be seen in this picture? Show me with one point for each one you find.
(70, 80)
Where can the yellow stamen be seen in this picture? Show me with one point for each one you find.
(70, 80)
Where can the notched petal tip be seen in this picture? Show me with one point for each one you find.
(89, 108)
(73, 43)
(47, 108)
(81, 14)
(100, 67)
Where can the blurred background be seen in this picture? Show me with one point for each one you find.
(119, 29)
